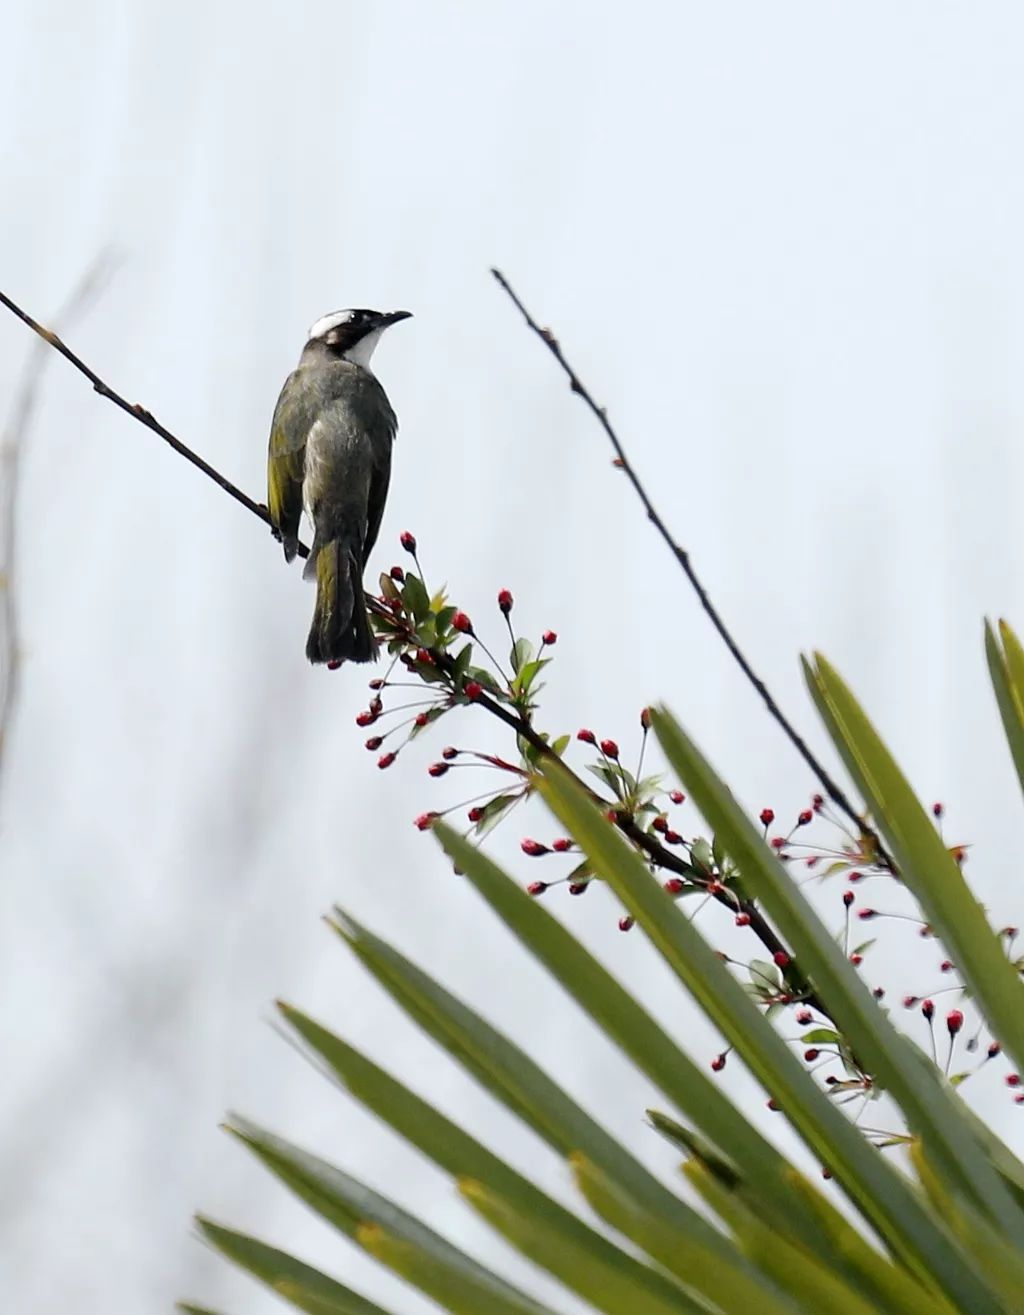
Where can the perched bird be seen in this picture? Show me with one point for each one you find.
(330, 454)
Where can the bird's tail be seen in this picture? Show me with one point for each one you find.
(341, 628)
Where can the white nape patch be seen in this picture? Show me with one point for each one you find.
(362, 351)
(326, 323)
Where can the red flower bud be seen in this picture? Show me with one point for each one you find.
(781, 958)
(778, 842)
(817, 802)
(475, 814)
(856, 960)
(804, 817)
(586, 736)
(625, 923)
(473, 689)
(954, 1021)
(505, 600)
(742, 919)
(660, 823)
(718, 1063)
(423, 655)
(855, 876)
(928, 1009)
(848, 897)
(386, 759)
(946, 966)
(804, 1016)
(909, 1001)
(437, 769)
(673, 838)
(448, 752)
(937, 810)
(674, 886)
(462, 623)
(421, 719)
(609, 748)
(397, 573)
(374, 742)
(878, 992)
(767, 816)
(645, 719)
(677, 797)
(334, 664)
(866, 914)
(1013, 1079)
(534, 848)
(536, 888)
(994, 1049)
(811, 1055)
(424, 820)
(408, 541)
(549, 637)
(561, 845)
(578, 887)
(367, 718)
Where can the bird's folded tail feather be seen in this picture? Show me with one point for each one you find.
(341, 627)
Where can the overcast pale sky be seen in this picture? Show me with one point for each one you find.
(783, 244)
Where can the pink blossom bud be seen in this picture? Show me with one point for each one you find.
(609, 748)
(505, 600)
(408, 541)
(462, 623)
(586, 736)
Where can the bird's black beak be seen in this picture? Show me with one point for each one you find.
(392, 317)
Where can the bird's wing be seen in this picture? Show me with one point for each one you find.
(285, 461)
(385, 428)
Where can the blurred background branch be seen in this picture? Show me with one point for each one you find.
(12, 451)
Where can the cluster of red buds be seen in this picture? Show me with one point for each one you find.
(433, 647)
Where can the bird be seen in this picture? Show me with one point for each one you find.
(330, 456)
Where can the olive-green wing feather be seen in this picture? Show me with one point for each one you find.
(285, 465)
(380, 477)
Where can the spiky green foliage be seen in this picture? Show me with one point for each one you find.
(942, 1234)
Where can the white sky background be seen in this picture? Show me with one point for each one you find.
(783, 244)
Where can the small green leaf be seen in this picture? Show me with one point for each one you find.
(415, 598)
(522, 652)
(462, 661)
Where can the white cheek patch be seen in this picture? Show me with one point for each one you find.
(360, 353)
(326, 323)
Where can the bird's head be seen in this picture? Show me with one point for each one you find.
(353, 334)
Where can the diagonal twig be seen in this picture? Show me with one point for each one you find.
(828, 783)
(140, 413)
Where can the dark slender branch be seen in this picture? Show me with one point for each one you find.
(140, 413)
(660, 856)
(829, 785)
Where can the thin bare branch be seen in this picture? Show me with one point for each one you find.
(682, 556)
(138, 412)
